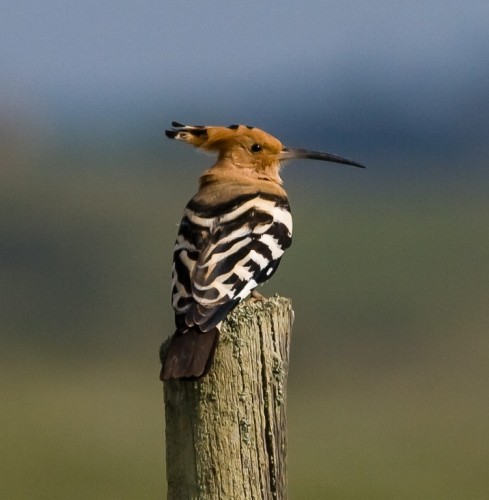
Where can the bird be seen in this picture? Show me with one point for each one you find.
(231, 239)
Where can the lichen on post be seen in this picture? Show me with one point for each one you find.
(226, 434)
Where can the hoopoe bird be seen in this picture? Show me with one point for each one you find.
(232, 236)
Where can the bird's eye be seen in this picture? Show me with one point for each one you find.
(255, 148)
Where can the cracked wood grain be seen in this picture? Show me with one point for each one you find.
(226, 434)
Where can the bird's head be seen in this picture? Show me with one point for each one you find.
(248, 149)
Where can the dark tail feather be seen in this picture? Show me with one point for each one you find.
(190, 354)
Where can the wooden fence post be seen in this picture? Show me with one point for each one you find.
(226, 435)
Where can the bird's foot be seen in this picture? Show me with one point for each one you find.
(255, 296)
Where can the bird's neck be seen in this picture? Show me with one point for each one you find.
(219, 185)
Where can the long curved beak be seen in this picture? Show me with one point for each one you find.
(290, 154)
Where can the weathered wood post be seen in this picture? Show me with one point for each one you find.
(226, 434)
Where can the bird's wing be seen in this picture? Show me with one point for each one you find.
(241, 249)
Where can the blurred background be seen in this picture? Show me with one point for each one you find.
(389, 270)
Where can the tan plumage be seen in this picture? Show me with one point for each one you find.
(231, 239)
(237, 166)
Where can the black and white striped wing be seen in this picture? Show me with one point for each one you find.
(232, 254)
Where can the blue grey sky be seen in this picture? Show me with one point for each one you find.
(390, 67)
(134, 44)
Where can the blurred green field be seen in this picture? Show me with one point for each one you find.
(388, 385)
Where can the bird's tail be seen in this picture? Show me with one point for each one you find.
(190, 354)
